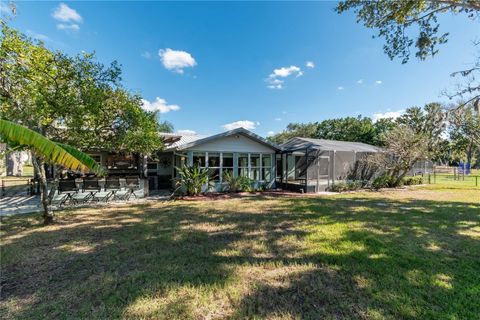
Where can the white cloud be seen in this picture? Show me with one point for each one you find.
(378, 82)
(278, 119)
(63, 26)
(310, 64)
(273, 86)
(66, 14)
(285, 71)
(159, 105)
(146, 55)
(388, 114)
(187, 132)
(340, 88)
(360, 81)
(270, 133)
(273, 81)
(176, 60)
(247, 124)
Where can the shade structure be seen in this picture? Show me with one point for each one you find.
(314, 165)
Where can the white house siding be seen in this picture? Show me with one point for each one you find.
(237, 143)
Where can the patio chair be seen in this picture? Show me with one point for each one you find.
(132, 184)
(112, 185)
(91, 187)
(68, 188)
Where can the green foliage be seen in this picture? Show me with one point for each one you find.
(411, 181)
(306, 130)
(346, 129)
(236, 184)
(464, 133)
(74, 100)
(429, 122)
(55, 153)
(385, 181)
(192, 180)
(243, 183)
(84, 158)
(357, 129)
(394, 21)
(343, 186)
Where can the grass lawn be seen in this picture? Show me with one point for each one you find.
(373, 255)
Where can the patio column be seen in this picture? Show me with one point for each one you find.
(221, 168)
(333, 175)
(190, 158)
(235, 164)
(286, 168)
(306, 170)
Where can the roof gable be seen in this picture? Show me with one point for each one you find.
(197, 141)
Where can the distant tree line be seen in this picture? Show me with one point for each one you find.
(450, 134)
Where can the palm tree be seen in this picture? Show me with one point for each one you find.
(44, 151)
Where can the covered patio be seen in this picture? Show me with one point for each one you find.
(314, 165)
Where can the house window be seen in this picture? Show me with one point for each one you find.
(199, 159)
(243, 164)
(266, 167)
(227, 164)
(214, 166)
(255, 166)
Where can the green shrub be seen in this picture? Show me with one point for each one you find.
(192, 180)
(339, 187)
(411, 181)
(346, 186)
(383, 181)
(236, 184)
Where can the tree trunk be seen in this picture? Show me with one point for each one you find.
(39, 165)
(469, 154)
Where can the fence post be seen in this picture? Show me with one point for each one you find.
(3, 187)
(434, 177)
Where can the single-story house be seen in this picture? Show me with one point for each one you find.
(239, 151)
(300, 164)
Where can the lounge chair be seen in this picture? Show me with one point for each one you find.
(132, 185)
(112, 185)
(91, 187)
(67, 188)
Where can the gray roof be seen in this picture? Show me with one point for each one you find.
(184, 140)
(299, 143)
(189, 141)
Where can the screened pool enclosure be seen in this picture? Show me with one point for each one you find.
(313, 165)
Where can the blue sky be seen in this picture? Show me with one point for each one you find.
(209, 65)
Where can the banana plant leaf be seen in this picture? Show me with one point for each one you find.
(63, 155)
(83, 158)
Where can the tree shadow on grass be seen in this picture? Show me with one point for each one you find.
(306, 258)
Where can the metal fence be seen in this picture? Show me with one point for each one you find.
(453, 176)
(453, 179)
